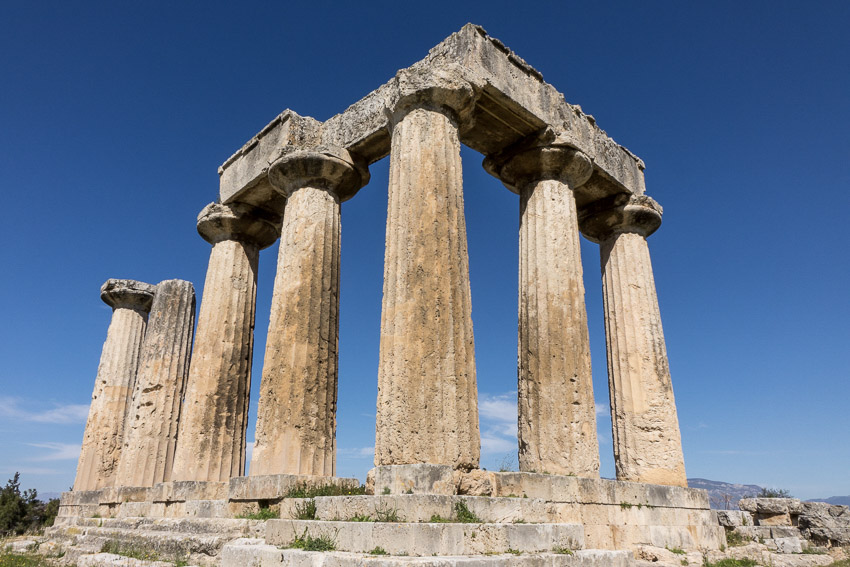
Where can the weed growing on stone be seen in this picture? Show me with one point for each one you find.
(676, 550)
(438, 519)
(386, 490)
(386, 514)
(734, 539)
(464, 514)
(17, 560)
(306, 491)
(305, 510)
(814, 551)
(261, 514)
(513, 551)
(309, 543)
(842, 563)
(560, 550)
(360, 518)
(378, 551)
(625, 505)
(684, 562)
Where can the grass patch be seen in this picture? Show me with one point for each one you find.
(842, 563)
(261, 514)
(18, 560)
(729, 562)
(625, 505)
(305, 510)
(817, 551)
(676, 550)
(560, 550)
(309, 543)
(734, 539)
(378, 551)
(307, 491)
(684, 562)
(513, 551)
(360, 518)
(129, 550)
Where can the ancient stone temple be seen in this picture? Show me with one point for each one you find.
(164, 450)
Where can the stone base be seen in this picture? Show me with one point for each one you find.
(612, 514)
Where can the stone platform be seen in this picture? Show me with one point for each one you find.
(413, 513)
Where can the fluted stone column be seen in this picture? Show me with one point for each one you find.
(296, 417)
(113, 388)
(647, 442)
(211, 439)
(427, 408)
(151, 431)
(556, 410)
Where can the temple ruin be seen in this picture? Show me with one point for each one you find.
(165, 442)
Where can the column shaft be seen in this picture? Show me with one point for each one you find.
(557, 416)
(116, 376)
(647, 443)
(427, 398)
(211, 442)
(296, 418)
(151, 431)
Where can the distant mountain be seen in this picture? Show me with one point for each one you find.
(45, 496)
(724, 495)
(837, 500)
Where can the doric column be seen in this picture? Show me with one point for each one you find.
(556, 413)
(151, 431)
(296, 417)
(427, 398)
(647, 443)
(211, 439)
(113, 388)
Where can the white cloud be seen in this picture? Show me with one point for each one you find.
(602, 410)
(357, 452)
(59, 451)
(9, 471)
(11, 408)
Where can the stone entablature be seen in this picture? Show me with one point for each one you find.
(509, 103)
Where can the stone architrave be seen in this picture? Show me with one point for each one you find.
(427, 409)
(150, 436)
(556, 410)
(647, 442)
(296, 416)
(113, 388)
(211, 439)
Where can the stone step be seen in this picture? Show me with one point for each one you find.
(112, 560)
(427, 539)
(256, 553)
(422, 507)
(213, 526)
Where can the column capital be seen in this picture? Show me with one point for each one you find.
(556, 162)
(238, 221)
(638, 214)
(129, 294)
(439, 89)
(325, 167)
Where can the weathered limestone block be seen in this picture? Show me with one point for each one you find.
(427, 398)
(734, 518)
(113, 389)
(151, 432)
(647, 442)
(211, 440)
(557, 413)
(296, 418)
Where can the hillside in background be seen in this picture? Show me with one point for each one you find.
(724, 495)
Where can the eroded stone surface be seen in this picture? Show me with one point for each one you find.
(427, 397)
(151, 432)
(647, 442)
(211, 440)
(116, 376)
(557, 413)
(296, 416)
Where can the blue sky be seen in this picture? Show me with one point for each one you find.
(115, 116)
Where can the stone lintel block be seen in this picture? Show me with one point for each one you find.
(183, 490)
(425, 539)
(80, 497)
(419, 478)
(244, 176)
(275, 486)
(511, 102)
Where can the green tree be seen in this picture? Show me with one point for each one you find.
(22, 511)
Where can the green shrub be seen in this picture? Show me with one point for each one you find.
(378, 551)
(734, 539)
(464, 514)
(305, 510)
(22, 511)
